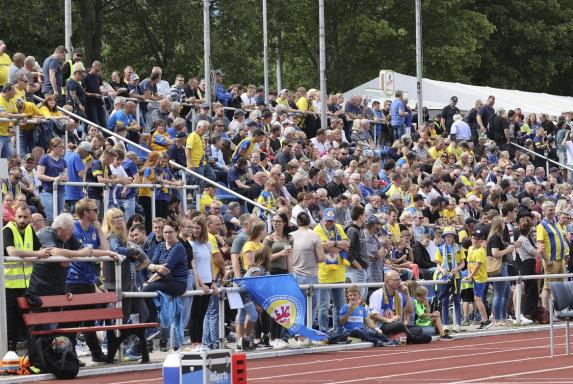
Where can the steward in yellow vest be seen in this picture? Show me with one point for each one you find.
(21, 241)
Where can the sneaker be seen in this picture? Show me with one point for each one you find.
(266, 340)
(524, 320)
(485, 325)
(457, 328)
(446, 336)
(246, 345)
(82, 349)
(466, 323)
(129, 357)
(153, 334)
(302, 343)
(280, 344)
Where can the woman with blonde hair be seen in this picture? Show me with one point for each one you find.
(147, 175)
(52, 168)
(115, 230)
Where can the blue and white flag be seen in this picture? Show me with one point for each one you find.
(283, 300)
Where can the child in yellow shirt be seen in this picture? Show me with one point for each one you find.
(477, 268)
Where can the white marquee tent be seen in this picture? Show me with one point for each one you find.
(437, 94)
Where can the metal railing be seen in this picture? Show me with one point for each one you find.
(544, 158)
(172, 163)
(107, 187)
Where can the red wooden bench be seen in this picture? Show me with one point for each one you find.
(59, 310)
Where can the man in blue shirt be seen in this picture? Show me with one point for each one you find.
(398, 113)
(76, 173)
(127, 117)
(82, 277)
(220, 92)
(52, 71)
(126, 200)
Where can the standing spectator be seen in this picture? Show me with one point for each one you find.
(148, 175)
(177, 92)
(148, 87)
(500, 250)
(195, 153)
(126, 197)
(448, 113)
(77, 173)
(5, 63)
(551, 246)
(83, 277)
(76, 95)
(164, 177)
(16, 67)
(100, 172)
(398, 113)
(8, 109)
(357, 271)
(20, 240)
(307, 253)
(52, 168)
(203, 279)
(94, 98)
(485, 116)
(52, 71)
(333, 270)
(526, 266)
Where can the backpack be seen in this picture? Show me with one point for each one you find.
(55, 355)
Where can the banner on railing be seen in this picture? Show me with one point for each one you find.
(282, 299)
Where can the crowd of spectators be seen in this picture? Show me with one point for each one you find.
(374, 196)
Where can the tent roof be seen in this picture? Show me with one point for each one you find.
(437, 94)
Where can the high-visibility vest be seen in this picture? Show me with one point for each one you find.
(17, 275)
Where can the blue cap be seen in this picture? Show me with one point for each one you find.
(329, 214)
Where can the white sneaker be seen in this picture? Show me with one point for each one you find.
(524, 320)
(279, 344)
(458, 328)
(82, 348)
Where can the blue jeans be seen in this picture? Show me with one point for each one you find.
(187, 302)
(6, 148)
(501, 292)
(128, 206)
(47, 199)
(26, 142)
(444, 292)
(358, 276)
(211, 324)
(399, 131)
(324, 297)
(300, 280)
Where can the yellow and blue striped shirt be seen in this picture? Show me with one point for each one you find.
(553, 242)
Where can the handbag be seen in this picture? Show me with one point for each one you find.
(493, 265)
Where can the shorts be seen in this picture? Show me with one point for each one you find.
(556, 267)
(249, 310)
(479, 289)
(467, 295)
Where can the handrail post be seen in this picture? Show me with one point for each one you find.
(106, 193)
(18, 143)
(221, 325)
(153, 203)
(309, 314)
(518, 294)
(55, 200)
(138, 113)
(184, 200)
(551, 333)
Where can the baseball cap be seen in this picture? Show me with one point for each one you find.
(437, 200)
(180, 135)
(134, 77)
(205, 106)
(283, 91)
(239, 112)
(454, 98)
(553, 169)
(339, 173)
(218, 72)
(470, 220)
(473, 198)
(267, 114)
(372, 219)
(479, 233)
(329, 214)
(252, 123)
(260, 103)
(28, 157)
(524, 213)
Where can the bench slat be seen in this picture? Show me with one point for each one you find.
(95, 329)
(72, 316)
(77, 299)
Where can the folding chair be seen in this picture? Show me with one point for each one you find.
(561, 299)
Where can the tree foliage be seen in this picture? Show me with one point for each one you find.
(522, 44)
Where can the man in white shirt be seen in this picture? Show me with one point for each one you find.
(248, 98)
(163, 87)
(460, 130)
(302, 206)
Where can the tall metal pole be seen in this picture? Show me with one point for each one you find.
(207, 51)
(322, 57)
(279, 63)
(265, 51)
(68, 27)
(419, 59)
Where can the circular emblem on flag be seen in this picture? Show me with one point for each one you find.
(283, 311)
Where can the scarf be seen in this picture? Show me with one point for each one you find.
(334, 235)
(395, 307)
(446, 250)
